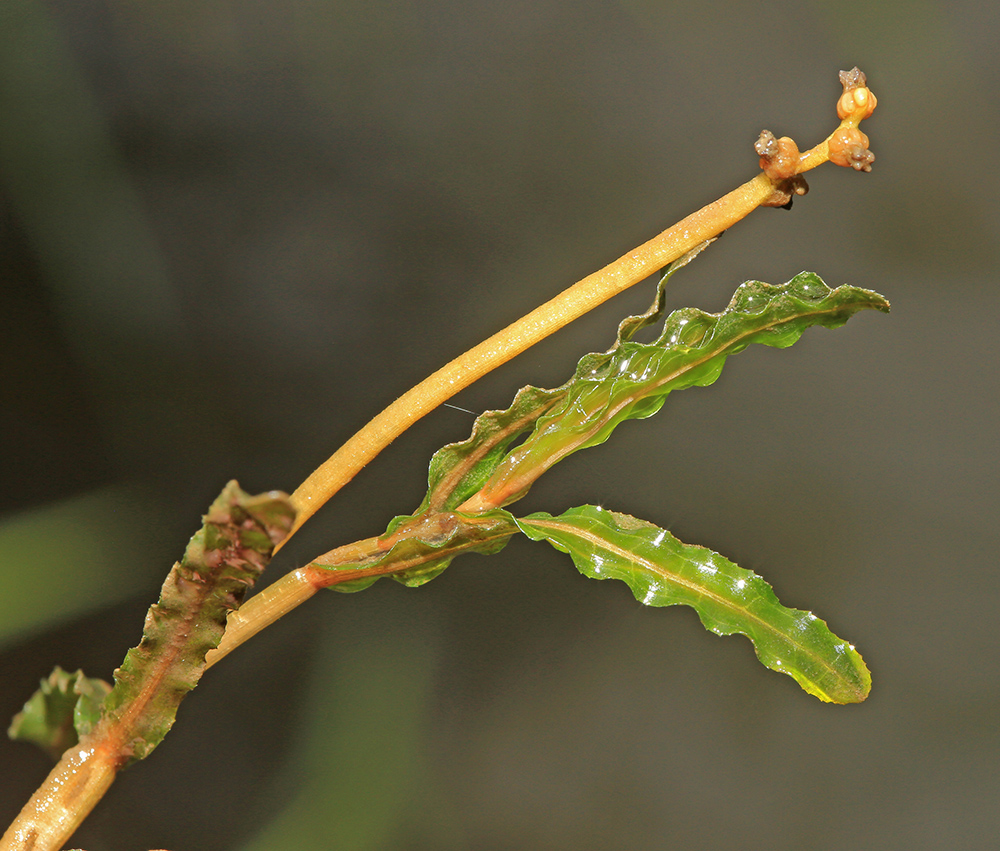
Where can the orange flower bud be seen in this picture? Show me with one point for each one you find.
(780, 158)
(857, 102)
(849, 147)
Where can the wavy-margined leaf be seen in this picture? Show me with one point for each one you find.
(222, 560)
(460, 469)
(633, 379)
(662, 571)
(415, 549)
(65, 707)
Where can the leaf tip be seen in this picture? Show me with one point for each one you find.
(852, 686)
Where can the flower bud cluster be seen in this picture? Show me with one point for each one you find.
(848, 145)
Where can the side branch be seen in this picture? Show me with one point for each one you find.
(436, 537)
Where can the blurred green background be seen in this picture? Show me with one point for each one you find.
(232, 232)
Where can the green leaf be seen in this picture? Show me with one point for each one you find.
(419, 547)
(222, 560)
(89, 707)
(459, 470)
(63, 709)
(662, 571)
(632, 380)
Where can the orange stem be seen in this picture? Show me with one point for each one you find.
(774, 186)
(570, 304)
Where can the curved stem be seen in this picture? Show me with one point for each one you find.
(774, 186)
(570, 304)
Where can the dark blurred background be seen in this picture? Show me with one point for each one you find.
(231, 232)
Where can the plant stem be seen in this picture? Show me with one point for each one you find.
(773, 187)
(569, 305)
(360, 560)
(72, 789)
(274, 602)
